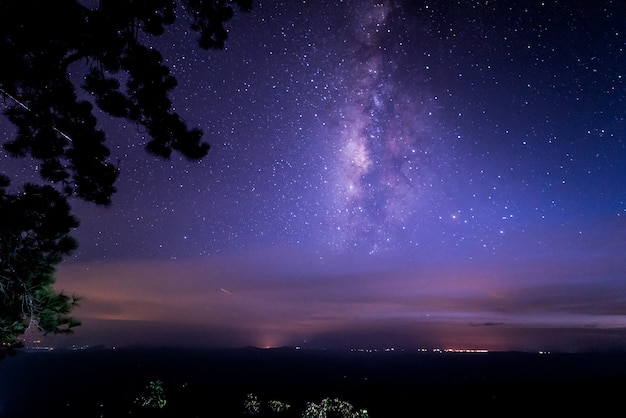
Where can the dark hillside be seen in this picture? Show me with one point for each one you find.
(204, 383)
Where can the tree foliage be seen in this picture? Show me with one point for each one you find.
(332, 407)
(153, 396)
(34, 237)
(253, 406)
(326, 408)
(56, 125)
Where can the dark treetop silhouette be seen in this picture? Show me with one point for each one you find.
(58, 130)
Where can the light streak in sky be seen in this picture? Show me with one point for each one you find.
(23, 106)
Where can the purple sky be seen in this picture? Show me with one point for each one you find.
(281, 296)
(403, 173)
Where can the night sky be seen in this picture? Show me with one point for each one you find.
(382, 173)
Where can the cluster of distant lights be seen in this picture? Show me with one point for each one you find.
(429, 350)
(36, 346)
(421, 350)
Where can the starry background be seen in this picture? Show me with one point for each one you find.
(381, 173)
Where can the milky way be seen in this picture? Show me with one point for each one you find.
(380, 147)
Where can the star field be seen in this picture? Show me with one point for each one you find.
(397, 125)
(456, 148)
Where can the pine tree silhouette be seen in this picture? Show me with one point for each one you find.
(39, 41)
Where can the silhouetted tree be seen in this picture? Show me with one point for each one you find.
(34, 237)
(39, 41)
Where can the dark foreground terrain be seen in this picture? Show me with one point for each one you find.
(214, 383)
